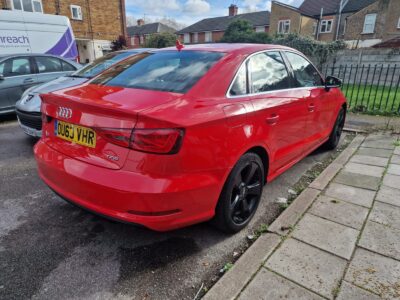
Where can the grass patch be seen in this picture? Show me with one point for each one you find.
(373, 98)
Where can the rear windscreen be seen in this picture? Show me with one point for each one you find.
(171, 71)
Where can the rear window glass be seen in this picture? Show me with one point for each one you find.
(171, 71)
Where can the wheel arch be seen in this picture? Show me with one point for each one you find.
(263, 154)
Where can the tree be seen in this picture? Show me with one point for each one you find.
(241, 31)
(119, 44)
(160, 40)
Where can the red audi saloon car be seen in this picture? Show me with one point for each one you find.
(174, 137)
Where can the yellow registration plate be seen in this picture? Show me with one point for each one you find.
(74, 133)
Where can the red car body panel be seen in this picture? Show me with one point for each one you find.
(165, 192)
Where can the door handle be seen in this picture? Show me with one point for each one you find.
(273, 119)
(28, 80)
(311, 107)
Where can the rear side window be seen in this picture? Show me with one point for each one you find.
(239, 86)
(268, 72)
(48, 64)
(67, 67)
(171, 71)
(304, 72)
(15, 67)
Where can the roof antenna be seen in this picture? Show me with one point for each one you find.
(178, 45)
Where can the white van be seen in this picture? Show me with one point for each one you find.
(30, 32)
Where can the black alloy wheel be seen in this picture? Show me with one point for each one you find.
(241, 194)
(336, 133)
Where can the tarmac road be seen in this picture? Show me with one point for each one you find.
(50, 249)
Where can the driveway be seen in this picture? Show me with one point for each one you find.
(50, 249)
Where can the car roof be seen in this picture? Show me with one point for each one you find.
(230, 48)
(31, 54)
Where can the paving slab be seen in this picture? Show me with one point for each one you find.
(293, 213)
(311, 267)
(267, 285)
(382, 239)
(326, 176)
(384, 143)
(397, 150)
(230, 285)
(349, 291)
(389, 195)
(385, 214)
(395, 159)
(394, 169)
(350, 194)
(375, 152)
(326, 235)
(340, 211)
(391, 181)
(376, 273)
(364, 169)
(370, 160)
(358, 180)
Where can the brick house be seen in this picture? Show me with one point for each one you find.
(137, 34)
(94, 26)
(375, 23)
(212, 29)
(324, 20)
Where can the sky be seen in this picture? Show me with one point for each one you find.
(191, 11)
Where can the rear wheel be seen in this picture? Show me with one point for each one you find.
(336, 133)
(241, 194)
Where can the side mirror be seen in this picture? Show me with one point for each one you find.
(332, 82)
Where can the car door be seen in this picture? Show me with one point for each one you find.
(320, 103)
(48, 68)
(17, 76)
(281, 115)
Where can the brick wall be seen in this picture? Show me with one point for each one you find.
(329, 37)
(307, 26)
(278, 13)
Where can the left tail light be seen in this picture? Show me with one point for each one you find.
(159, 141)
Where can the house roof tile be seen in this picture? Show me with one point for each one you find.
(149, 29)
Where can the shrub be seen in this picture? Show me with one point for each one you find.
(160, 40)
(241, 31)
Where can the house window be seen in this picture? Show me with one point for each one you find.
(76, 12)
(195, 37)
(284, 26)
(260, 29)
(314, 27)
(141, 40)
(326, 26)
(208, 37)
(28, 5)
(398, 23)
(186, 38)
(133, 41)
(369, 23)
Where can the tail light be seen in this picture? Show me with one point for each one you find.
(160, 141)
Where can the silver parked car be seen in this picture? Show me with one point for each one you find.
(19, 72)
(28, 108)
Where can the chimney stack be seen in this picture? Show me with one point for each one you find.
(140, 22)
(233, 10)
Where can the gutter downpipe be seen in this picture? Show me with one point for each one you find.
(319, 23)
(339, 19)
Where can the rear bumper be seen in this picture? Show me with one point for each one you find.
(157, 203)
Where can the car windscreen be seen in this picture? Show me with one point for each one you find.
(100, 64)
(171, 71)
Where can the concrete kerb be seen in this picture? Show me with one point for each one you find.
(233, 282)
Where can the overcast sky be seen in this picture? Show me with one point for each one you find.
(191, 11)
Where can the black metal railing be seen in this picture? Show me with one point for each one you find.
(369, 88)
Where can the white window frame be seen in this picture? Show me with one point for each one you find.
(195, 37)
(141, 39)
(22, 6)
(186, 38)
(325, 23)
(398, 24)
(79, 11)
(260, 28)
(372, 23)
(283, 30)
(133, 40)
(208, 36)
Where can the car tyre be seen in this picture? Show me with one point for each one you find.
(241, 194)
(337, 130)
